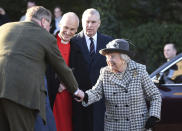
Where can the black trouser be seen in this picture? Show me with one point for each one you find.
(14, 117)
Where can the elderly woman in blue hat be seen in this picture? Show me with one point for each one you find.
(126, 87)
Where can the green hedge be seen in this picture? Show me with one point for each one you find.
(124, 19)
(150, 39)
(16, 8)
(138, 20)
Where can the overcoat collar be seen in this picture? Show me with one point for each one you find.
(84, 47)
(123, 80)
(85, 50)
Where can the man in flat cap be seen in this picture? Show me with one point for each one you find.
(25, 49)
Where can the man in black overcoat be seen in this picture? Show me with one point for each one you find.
(86, 63)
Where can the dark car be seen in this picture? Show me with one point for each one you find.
(168, 79)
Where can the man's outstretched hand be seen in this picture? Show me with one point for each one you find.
(79, 96)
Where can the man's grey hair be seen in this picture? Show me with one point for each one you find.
(38, 12)
(125, 57)
(91, 11)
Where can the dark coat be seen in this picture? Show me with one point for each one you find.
(53, 82)
(25, 49)
(86, 71)
(53, 26)
(4, 19)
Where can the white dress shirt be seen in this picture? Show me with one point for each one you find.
(89, 42)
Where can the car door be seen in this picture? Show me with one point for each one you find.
(170, 89)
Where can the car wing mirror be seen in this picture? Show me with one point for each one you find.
(157, 78)
(155, 81)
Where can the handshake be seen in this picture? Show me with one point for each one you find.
(79, 95)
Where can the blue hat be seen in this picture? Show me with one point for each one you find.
(117, 45)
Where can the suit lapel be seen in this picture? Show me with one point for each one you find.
(84, 48)
(85, 51)
(99, 42)
(97, 56)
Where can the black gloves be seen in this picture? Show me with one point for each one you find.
(151, 122)
(85, 99)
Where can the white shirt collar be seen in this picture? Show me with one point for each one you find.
(87, 38)
(62, 41)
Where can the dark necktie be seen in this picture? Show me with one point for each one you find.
(92, 50)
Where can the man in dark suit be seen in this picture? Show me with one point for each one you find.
(174, 73)
(86, 63)
(25, 48)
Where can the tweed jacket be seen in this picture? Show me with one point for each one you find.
(125, 98)
(25, 49)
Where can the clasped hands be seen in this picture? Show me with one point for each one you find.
(79, 96)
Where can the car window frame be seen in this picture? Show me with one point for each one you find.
(159, 71)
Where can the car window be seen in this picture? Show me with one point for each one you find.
(177, 73)
(173, 74)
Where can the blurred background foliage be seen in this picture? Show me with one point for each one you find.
(148, 24)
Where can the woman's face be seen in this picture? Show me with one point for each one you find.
(114, 62)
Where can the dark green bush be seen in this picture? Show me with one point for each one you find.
(150, 39)
(16, 8)
(148, 24)
(137, 20)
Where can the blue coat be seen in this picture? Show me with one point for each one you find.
(50, 125)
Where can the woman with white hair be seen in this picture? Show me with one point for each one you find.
(126, 87)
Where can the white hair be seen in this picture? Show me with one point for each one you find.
(125, 57)
(91, 11)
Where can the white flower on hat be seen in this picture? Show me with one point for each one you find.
(112, 44)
